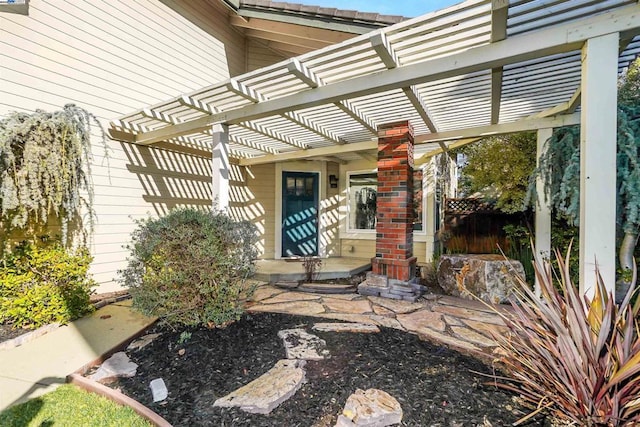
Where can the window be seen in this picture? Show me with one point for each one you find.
(363, 192)
(417, 200)
(299, 186)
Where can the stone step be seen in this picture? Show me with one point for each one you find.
(299, 344)
(327, 288)
(346, 327)
(117, 366)
(265, 393)
(370, 408)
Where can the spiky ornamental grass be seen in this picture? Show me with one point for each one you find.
(577, 359)
(45, 161)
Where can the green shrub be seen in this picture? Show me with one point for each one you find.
(191, 267)
(41, 285)
(578, 359)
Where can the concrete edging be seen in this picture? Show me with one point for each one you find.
(28, 336)
(117, 397)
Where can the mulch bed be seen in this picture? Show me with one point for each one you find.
(434, 385)
(7, 332)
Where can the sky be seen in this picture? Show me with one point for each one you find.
(408, 8)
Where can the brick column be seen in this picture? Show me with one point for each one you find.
(394, 230)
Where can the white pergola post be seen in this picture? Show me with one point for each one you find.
(543, 207)
(598, 162)
(429, 182)
(220, 166)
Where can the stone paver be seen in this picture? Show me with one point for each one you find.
(419, 320)
(387, 322)
(397, 306)
(346, 327)
(265, 393)
(346, 297)
(355, 318)
(465, 313)
(452, 321)
(449, 341)
(299, 344)
(470, 304)
(487, 329)
(118, 365)
(382, 311)
(349, 307)
(266, 291)
(302, 308)
(142, 342)
(291, 296)
(370, 408)
(472, 336)
(464, 325)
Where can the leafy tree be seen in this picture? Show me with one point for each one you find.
(499, 168)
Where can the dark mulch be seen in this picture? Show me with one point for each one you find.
(434, 385)
(7, 332)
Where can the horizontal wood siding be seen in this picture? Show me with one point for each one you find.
(113, 57)
(356, 248)
(331, 214)
(260, 204)
(258, 55)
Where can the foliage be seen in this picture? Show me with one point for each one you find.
(45, 169)
(629, 85)
(576, 358)
(185, 336)
(311, 265)
(41, 285)
(519, 247)
(70, 406)
(499, 167)
(191, 267)
(559, 167)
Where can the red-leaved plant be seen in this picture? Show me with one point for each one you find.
(577, 359)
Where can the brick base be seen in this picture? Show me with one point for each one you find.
(399, 269)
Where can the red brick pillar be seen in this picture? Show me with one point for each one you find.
(394, 230)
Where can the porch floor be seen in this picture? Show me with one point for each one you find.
(274, 270)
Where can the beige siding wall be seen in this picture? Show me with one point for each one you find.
(112, 58)
(260, 204)
(258, 56)
(331, 214)
(358, 248)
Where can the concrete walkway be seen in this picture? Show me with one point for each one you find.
(40, 365)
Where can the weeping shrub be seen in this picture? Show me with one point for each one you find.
(191, 267)
(42, 285)
(578, 359)
(45, 161)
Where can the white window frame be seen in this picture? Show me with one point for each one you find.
(355, 233)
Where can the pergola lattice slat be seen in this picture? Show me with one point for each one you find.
(462, 67)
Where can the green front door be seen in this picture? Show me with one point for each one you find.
(299, 213)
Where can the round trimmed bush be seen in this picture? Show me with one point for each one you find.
(191, 267)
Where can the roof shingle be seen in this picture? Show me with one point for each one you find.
(374, 19)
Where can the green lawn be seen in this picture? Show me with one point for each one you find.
(70, 406)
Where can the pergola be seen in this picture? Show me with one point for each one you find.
(479, 68)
